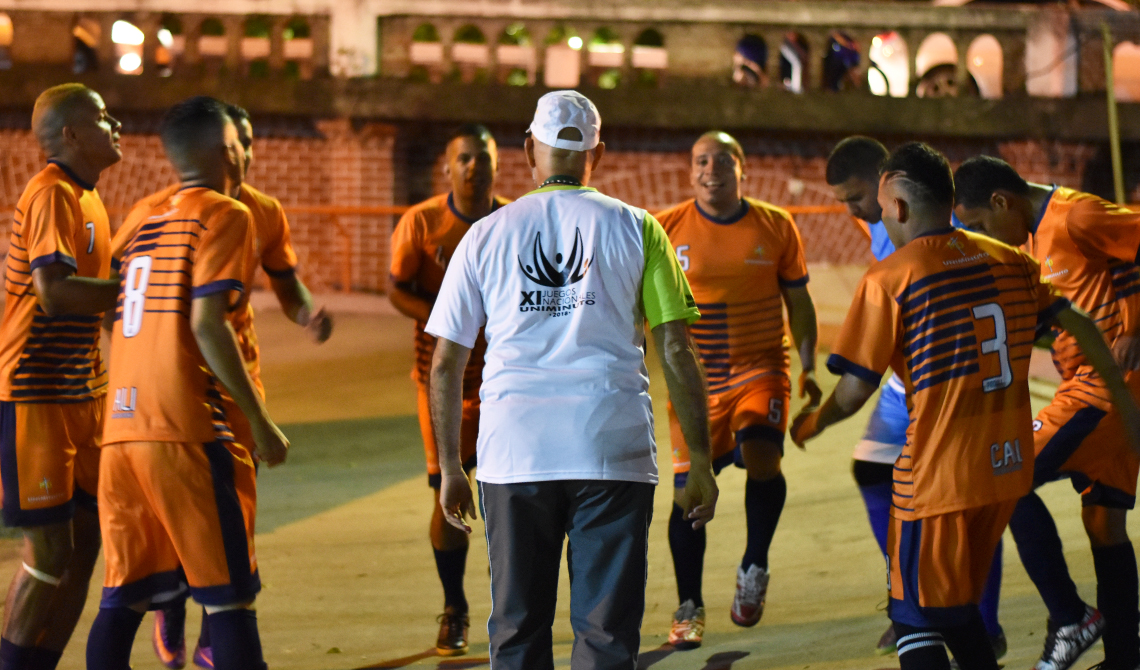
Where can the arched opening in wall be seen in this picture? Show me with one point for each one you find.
(889, 71)
(750, 61)
(649, 57)
(297, 38)
(841, 63)
(1126, 71)
(128, 41)
(426, 54)
(936, 65)
(85, 34)
(171, 44)
(515, 54)
(5, 41)
(606, 56)
(212, 43)
(794, 54)
(470, 54)
(255, 46)
(563, 67)
(985, 61)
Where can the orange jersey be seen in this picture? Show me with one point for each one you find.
(273, 251)
(422, 245)
(59, 219)
(193, 244)
(1087, 248)
(736, 270)
(955, 314)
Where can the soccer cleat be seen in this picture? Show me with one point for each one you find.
(751, 592)
(1065, 644)
(688, 626)
(169, 637)
(203, 657)
(888, 642)
(452, 640)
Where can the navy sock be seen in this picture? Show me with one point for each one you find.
(45, 659)
(1039, 547)
(970, 644)
(688, 548)
(991, 594)
(921, 648)
(763, 504)
(451, 564)
(111, 638)
(236, 643)
(15, 657)
(1116, 598)
(204, 634)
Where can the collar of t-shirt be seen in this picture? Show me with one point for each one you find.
(460, 215)
(71, 175)
(724, 222)
(1044, 208)
(560, 187)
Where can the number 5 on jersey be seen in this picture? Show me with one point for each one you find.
(134, 294)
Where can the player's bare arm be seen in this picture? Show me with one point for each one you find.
(216, 340)
(60, 291)
(297, 302)
(1088, 335)
(805, 333)
(850, 394)
(410, 301)
(447, 366)
(687, 390)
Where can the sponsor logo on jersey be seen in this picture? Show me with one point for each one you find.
(1053, 272)
(758, 257)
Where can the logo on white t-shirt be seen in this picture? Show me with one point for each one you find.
(560, 297)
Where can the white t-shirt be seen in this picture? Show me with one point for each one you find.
(562, 281)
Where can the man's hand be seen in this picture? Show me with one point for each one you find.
(810, 387)
(699, 496)
(456, 500)
(319, 326)
(1126, 351)
(805, 426)
(270, 444)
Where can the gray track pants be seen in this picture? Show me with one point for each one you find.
(607, 525)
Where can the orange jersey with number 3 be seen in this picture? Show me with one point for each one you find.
(195, 243)
(737, 269)
(955, 314)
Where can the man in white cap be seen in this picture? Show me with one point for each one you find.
(562, 280)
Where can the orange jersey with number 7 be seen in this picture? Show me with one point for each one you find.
(195, 243)
(955, 315)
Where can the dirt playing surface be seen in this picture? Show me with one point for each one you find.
(348, 571)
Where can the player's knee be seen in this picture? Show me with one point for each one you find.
(761, 459)
(1105, 526)
(48, 550)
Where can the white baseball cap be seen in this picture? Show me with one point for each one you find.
(566, 109)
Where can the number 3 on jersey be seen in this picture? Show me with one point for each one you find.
(134, 294)
(995, 345)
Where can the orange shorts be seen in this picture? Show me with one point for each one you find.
(755, 410)
(937, 567)
(468, 432)
(1079, 437)
(174, 514)
(49, 459)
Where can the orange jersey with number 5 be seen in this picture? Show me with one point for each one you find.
(736, 269)
(194, 244)
(955, 314)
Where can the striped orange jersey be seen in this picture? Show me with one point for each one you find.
(955, 314)
(59, 219)
(1087, 248)
(273, 251)
(422, 245)
(736, 269)
(195, 243)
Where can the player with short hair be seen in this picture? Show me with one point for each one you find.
(744, 261)
(853, 174)
(1088, 248)
(423, 244)
(955, 314)
(52, 379)
(177, 496)
(273, 252)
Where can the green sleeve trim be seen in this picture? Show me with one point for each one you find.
(665, 292)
